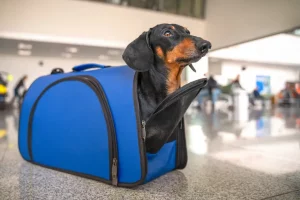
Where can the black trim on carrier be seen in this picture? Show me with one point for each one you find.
(113, 151)
(181, 149)
(182, 155)
(141, 139)
(178, 93)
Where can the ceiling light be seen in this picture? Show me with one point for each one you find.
(24, 52)
(66, 55)
(113, 52)
(297, 32)
(72, 49)
(103, 57)
(24, 46)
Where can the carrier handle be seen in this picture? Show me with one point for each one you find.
(83, 67)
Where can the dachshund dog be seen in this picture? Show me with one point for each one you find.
(160, 55)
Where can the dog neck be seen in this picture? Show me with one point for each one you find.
(156, 84)
(163, 79)
(174, 77)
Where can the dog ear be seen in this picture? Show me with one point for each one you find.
(138, 54)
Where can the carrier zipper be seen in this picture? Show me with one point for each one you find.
(179, 141)
(114, 172)
(141, 132)
(112, 134)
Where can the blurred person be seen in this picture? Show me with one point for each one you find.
(297, 89)
(212, 84)
(285, 92)
(236, 82)
(287, 95)
(2, 80)
(292, 89)
(3, 84)
(5, 78)
(255, 96)
(236, 85)
(297, 92)
(3, 91)
(211, 90)
(20, 85)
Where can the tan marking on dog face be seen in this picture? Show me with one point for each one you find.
(160, 52)
(172, 27)
(183, 50)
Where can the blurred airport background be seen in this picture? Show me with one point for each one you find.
(248, 117)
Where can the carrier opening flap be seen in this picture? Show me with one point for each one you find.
(166, 117)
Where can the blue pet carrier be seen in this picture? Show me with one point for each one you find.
(87, 123)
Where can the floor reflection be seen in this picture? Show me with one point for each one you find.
(269, 141)
(228, 159)
(3, 136)
(3, 133)
(8, 131)
(279, 122)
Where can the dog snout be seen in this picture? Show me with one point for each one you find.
(203, 46)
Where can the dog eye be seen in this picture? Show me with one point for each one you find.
(168, 34)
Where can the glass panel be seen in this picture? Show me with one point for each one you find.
(192, 8)
(185, 7)
(114, 1)
(198, 8)
(138, 3)
(169, 6)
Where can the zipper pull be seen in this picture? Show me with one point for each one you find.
(144, 130)
(114, 172)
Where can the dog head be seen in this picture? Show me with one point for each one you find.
(171, 43)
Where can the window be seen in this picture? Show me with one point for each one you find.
(191, 8)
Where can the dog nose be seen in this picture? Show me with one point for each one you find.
(204, 46)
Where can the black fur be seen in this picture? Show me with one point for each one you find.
(141, 56)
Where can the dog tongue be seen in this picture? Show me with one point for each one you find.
(192, 67)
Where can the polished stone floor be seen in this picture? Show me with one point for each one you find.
(228, 159)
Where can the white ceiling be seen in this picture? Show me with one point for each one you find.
(277, 49)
